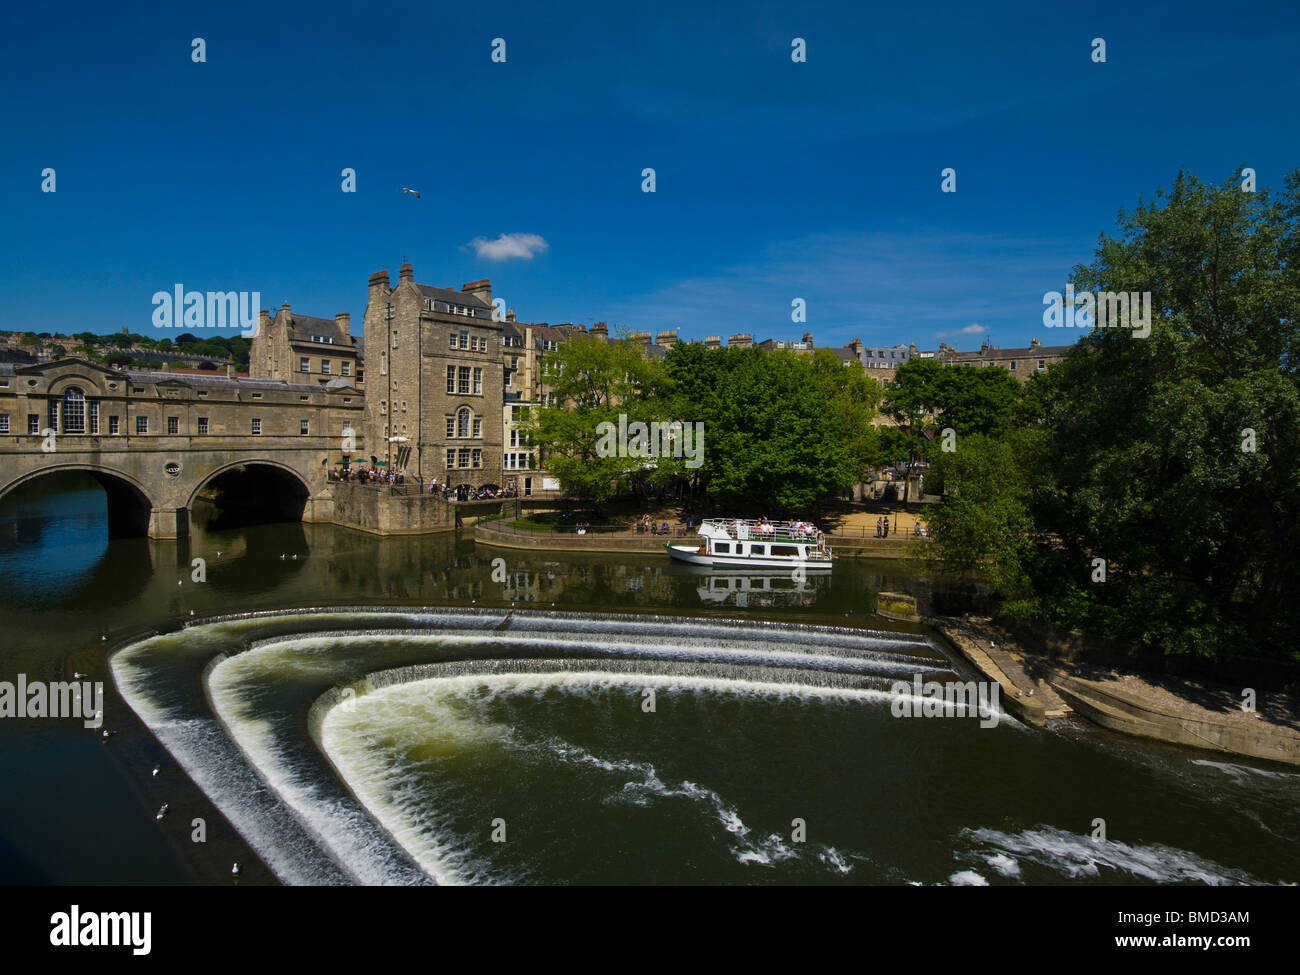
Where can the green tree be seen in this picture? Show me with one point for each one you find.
(912, 403)
(984, 523)
(782, 430)
(1174, 457)
(594, 381)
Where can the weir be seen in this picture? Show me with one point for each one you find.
(227, 749)
(362, 745)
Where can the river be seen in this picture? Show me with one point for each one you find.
(521, 717)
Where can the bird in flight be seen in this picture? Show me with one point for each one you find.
(407, 189)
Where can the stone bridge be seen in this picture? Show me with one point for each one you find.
(151, 488)
(155, 440)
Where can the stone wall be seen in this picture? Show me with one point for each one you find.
(375, 508)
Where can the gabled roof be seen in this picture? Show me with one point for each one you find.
(303, 327)
(40, 367)
(453, 297)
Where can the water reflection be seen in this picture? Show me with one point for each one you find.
(777, 588)
(54, 547)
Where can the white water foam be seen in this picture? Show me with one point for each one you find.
(342, 829)
(1240, 773)
(765, 851)
(195, 743)
(1076, 855)
(1004, 865)
(343, 737)
(733, 651)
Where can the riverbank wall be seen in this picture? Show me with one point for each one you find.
(1037, 686)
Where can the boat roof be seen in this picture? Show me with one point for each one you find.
(724, 527)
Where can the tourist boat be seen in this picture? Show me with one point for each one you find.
(753, 544)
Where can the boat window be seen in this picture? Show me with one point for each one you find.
(756, 549)
(784, 550)
(723, 547)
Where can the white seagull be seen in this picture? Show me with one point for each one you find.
(407, 189)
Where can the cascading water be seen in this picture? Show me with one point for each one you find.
(462, 746)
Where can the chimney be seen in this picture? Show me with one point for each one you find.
(165, 366)
(807, 337)
(510, 315)
(407, 273)
(482, 290)
(856, 346)
(741, 340)
(667, 339)
(230, 369)
(344, 321)
(712, 342)
(379, 281)
(1034, 343)
(263, 321)
(600, 328)
(642, 337)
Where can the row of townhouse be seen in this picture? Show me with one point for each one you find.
(450, 381)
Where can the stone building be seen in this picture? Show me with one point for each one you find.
(1021, 363)
(885, 357)
(302, 349)
(435, 385)
(77, 398)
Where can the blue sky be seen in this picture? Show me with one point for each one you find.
(775, 179)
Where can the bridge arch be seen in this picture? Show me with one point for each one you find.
(130, 505)
(260, 488)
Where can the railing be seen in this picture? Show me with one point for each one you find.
(766, 532)
(869, 531)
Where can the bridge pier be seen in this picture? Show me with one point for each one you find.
(169, 523)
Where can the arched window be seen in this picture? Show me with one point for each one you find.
(74, 410)
(462, 422)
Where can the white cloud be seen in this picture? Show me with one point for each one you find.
(968, 330)
(510, 245)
